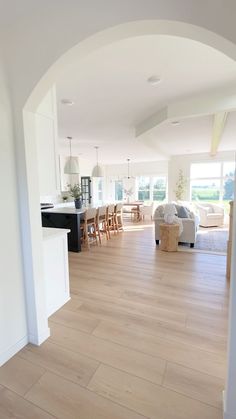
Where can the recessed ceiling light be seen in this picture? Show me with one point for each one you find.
(175, 123)
(67, 102)
(154, 80)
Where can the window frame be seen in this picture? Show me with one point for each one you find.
(151, 188)
(221, 179)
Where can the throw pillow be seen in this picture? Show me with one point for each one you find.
(182, 212)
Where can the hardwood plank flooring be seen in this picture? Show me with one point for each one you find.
(151, 400)
(13, 406)
(70, 365)
(144, 336)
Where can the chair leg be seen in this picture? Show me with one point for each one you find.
(95, 233)
(121, 222)
(86, 236)
(99, 233)
(108, 229)
(114, 223)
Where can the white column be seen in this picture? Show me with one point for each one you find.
(31, 230)
(230, 391)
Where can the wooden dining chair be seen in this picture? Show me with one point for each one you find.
(118, 217)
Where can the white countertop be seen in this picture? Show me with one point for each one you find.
(65, 210)
(51, 233)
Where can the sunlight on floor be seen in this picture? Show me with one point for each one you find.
(137, 227)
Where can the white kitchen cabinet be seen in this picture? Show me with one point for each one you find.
(47, 145)
(56, 271)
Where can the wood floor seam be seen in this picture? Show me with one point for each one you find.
(29, 401)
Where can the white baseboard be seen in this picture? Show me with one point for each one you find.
(37, 340)
(10, 352)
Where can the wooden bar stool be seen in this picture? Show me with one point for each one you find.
(110, 219)
(119, 217)
(101, 225)
(89, 227)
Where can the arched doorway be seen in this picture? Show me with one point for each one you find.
(34, 291)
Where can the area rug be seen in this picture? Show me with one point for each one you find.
(212, 239)
(209, 240)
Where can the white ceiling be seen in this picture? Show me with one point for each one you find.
(112, 96)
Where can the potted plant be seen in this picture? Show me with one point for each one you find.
(75, 192)
(181, 185)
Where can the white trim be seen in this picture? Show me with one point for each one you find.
(10, 352)
(38, 339)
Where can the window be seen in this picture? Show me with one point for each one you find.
(159, 188)
(144, 188)
(212, 181)
(205, 190)
(205, 170)
(98, 190)
(118, 190)
(228, 181)
(151, 188)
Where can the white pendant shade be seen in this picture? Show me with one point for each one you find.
(97, 171)
(72, 166)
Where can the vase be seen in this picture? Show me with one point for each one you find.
(78, 203)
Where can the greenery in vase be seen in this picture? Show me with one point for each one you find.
(181, 185)
(75, 190)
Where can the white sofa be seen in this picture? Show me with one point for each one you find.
(211, 215)
(190, 226)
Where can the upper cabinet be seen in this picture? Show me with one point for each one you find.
(47, 145)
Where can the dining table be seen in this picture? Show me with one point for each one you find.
(135, 208)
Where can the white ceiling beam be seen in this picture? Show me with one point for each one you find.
(151, 122)
(217, 131)
(150, 142)
(200, 105)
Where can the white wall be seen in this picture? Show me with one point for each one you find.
(13, 327)
(184, 163)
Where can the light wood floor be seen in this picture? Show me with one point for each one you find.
(144, 336)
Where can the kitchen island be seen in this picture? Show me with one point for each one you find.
(65, 218)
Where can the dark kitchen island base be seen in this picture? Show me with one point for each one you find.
(68, 218)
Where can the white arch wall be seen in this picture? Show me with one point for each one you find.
(32, 48)
(50, 29)
(13, 325)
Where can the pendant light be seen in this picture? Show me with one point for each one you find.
(72, 164)
(128, 170)
(97, 170)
